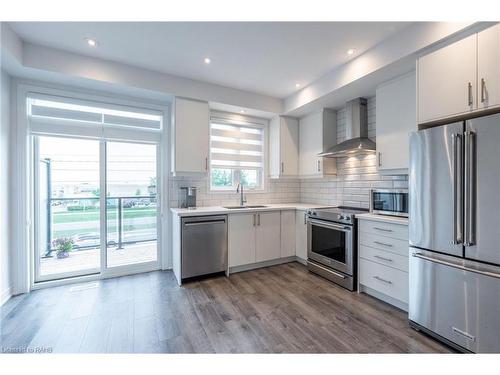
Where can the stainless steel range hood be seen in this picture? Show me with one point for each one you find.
(357, 141)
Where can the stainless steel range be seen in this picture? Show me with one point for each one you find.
(331, 244)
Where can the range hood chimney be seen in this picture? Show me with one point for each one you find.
(357, 141)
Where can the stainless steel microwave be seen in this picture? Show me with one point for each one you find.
(389, 202)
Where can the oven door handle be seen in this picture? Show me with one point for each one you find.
(329, 225)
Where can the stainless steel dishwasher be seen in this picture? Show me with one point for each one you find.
(203, 245)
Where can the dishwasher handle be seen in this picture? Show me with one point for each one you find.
(204, 220)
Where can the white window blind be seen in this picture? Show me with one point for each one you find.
(236, 154)
(61, 115)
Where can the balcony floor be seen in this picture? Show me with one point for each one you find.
(90, 259)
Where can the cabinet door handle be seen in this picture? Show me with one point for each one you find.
(253, 219)
(483, 89)
(319, 167)
(282, 167)
(379, 159)
(206, 164)
(469, 93)
(258, 219)
(382, 243)
(383, 280)
(382, 229)
(383, 258)
(305, 218)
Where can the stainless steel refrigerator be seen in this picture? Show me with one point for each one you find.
(454, 231)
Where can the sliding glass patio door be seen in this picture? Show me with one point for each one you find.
(131, 204)
(67, 238)
(96, 207)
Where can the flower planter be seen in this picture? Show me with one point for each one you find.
(62, 255)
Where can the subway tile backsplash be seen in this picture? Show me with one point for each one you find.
(277, 191)
(351, 187)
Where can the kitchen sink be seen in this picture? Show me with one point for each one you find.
(240, 207)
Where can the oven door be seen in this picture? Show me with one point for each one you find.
(330, 244)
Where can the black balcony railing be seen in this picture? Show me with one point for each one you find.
(133, 205)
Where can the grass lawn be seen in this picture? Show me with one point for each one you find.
(112, 230)
(93, 214)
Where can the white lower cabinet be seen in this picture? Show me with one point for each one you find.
(241, 239)
(267, 236)
(301, 235)
(287, 234)
(383, 261)
(254, 237)
(384, 279)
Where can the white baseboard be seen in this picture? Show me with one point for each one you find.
(383, 297)
(301, 260)
(6, 294)
(268, 263)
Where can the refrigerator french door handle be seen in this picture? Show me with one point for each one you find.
(457, 188)
(470, 186)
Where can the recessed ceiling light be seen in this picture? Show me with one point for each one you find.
(242, 111)
(91, 42)
(207, 60)
(297, 85)
(351, 51)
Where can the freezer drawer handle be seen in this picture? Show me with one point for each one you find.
(465, 334)
(459, 266)
(383, 280)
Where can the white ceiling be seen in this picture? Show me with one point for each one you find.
(266, 58)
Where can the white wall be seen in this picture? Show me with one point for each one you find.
(5, 261)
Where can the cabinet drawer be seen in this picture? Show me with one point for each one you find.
(384, 229)
(386, 280)
(384, 257)
(392, 245)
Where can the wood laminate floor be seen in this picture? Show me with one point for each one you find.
(280, 309)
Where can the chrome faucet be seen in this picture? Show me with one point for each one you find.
(239, 189)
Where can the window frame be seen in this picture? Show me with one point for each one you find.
(227, 118)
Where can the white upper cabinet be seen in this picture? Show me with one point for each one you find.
(488, 67)
(190, 136)
(396, 118)
(284, 147)
(317, 133)
(447, 81)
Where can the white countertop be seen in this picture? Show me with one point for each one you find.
(217, 210)
(384, 218)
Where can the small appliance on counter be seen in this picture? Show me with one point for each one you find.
(392, 202)
(188, 198)
(332, 244)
